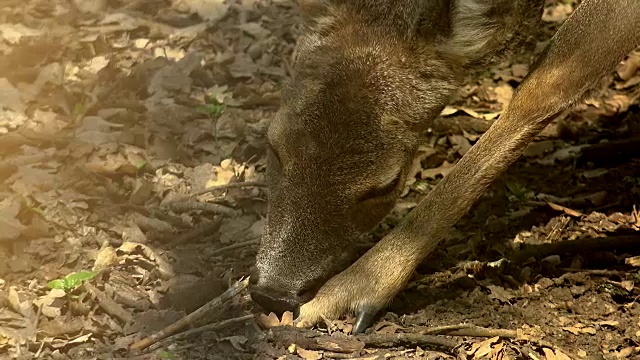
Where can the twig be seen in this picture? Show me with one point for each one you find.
(229, 186)
(467, 330)
(440, 330)
(210, 327)
(483, 332)
(311, 340)
(254, 241)
(600, 272)
(172, 329)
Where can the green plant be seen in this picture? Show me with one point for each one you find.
(518, 192)
(165, 355)
(213, 109)
(140, 165)
(72, 281)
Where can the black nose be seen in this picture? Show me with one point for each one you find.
(274, 300)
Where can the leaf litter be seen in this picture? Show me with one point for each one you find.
(112, 111)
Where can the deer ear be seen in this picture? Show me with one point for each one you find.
(482, 29)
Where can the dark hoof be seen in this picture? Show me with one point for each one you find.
(364, 320)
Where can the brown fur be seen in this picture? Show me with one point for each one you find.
(369, 77)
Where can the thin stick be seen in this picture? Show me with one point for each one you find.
(174, 328)
(469, 330)
(406, 339)
(311, 340)
(235, 246)
(215, 326)
(439, 330)
(229, 186)
(601, 272)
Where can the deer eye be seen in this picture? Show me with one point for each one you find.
(382, 191)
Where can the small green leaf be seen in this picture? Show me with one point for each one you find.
(518, 191)
(56, 284)
(79, 109)
(74, 280)
(141, 165)
(213, 109)
(164, 355)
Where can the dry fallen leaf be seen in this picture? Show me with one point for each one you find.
(482, 348)
(10, 227)
(572, 329)
(501, 294)
(504, 93)
(625, 353)
(460, 143)
(620, 102)
(10, 97)
(627, 284)
(106, 258)
(612, 323)
(210, 10)
(628, 68)
(519, 70)
(564, 209)
(51, 304)
(387, 327)
(12, 33)
(271, 320)
(308, 354)
(287, 319)
(239, 229)
(558, 13)
(449, 110)
(432, 173)
(633, 261)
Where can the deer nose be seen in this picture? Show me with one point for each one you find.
(274, 300)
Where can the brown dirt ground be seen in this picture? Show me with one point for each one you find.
(115, 114)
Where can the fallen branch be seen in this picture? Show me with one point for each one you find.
(468, 330)
(611, 153)
(234, 185)
(588, 245)
(174, 328)
(215, 326)
(311, 340)
(596, 272)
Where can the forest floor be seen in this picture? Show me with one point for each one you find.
(122, 124)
